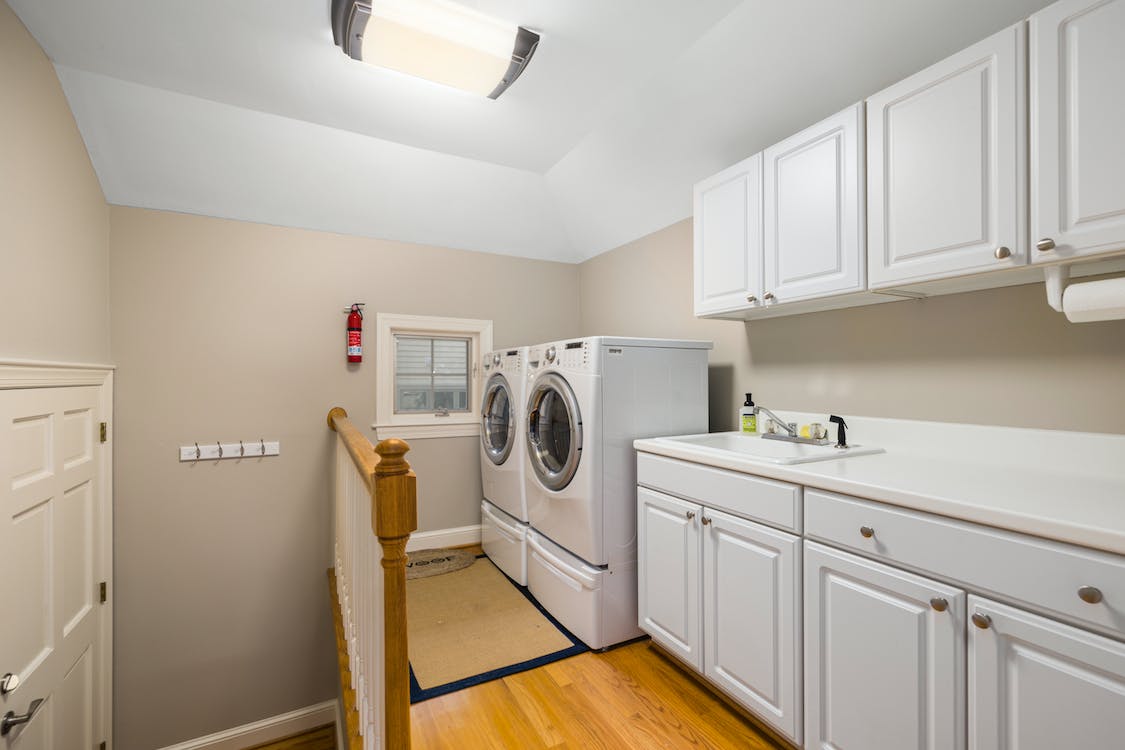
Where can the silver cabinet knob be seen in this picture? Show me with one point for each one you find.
(1045, 245)
(9, 683)
(751, 299)
(706, 521)
(939, 604)
(1002, 253)
(690, 514)
(866, 532)
(12, 719)
(769, 297)
(1090, 594)
(981, 621)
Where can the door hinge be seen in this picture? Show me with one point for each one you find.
(101, 592)
(103, 429)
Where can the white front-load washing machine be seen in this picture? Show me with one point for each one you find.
(504, 508)
(587, 401)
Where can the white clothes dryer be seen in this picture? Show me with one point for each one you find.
(504, 508)
(587, 401)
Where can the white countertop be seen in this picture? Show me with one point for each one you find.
(1059, 485)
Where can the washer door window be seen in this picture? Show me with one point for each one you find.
(497, 429)
(554, 431)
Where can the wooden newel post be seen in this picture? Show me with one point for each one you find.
(394, 515)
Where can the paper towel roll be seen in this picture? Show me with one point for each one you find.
(1095, 300)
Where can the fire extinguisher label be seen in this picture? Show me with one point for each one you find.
(354, 347)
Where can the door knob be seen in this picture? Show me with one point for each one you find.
(1045, 245)
(1002, 253)
(12, 719)
(9, 683)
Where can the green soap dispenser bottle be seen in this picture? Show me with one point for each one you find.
(748, 416)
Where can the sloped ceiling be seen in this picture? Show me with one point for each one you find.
(247, 110)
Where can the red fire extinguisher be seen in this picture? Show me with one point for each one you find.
(355, 333)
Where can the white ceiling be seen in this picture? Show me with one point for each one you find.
(247, 110)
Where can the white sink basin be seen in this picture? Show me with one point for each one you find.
(771, 451)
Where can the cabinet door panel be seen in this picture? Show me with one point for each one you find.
(728, 237)
(1035, 684)
(751, 615)
(1077, 147)
(884, 670)
(814, 198)
(947, 166)
(668, 573)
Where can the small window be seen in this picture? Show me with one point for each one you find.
(428, 375)
(431, 374)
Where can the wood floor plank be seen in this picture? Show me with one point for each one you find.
(630, 697)
(321, 738)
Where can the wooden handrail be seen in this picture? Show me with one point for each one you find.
(392, 485)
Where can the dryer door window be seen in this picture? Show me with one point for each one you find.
(554, 431)
(497, 430)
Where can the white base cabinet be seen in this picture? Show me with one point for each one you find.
(884, 656)
(722, 594)
(1036, 684)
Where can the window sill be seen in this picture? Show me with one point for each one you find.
(425, 431)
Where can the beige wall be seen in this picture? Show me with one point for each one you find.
(995, 357)
(54, 222)
(229, 330)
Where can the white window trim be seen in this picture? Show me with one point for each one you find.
(416, 426)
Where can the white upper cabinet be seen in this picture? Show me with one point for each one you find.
(814, 211)
(947, 166)
(1078, 129)
(728, 238)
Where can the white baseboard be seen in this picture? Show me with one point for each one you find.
(457, 537)
(266, 730)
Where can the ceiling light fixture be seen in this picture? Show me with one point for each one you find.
(438, 40)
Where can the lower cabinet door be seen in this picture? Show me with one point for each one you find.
(668, 595)
(884, 656)
(1036, 684)
(751, 617)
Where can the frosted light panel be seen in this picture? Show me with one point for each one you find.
(440, 41)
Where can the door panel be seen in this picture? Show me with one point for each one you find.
(884, 669)
(1078, 74)
(947, 166)
(51, 516)
(813, 219)
(668, 573)
(1036, 684)
(751, 615)
(728, 237)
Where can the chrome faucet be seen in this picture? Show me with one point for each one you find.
(790, 427)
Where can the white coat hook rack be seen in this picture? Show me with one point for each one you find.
(232, 450)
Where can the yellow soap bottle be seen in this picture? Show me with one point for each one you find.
(748, 416)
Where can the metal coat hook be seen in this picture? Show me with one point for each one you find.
(241, 450)
(263, 442)
(220, 448)
(198, 453)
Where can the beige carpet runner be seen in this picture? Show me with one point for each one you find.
(474, 625)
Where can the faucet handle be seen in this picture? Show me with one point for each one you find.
(841, 430)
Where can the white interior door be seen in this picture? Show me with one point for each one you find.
(947, 166)
(1077, 141)
(53, 516)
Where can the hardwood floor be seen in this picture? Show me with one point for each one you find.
(321, 738)
(630, 697)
